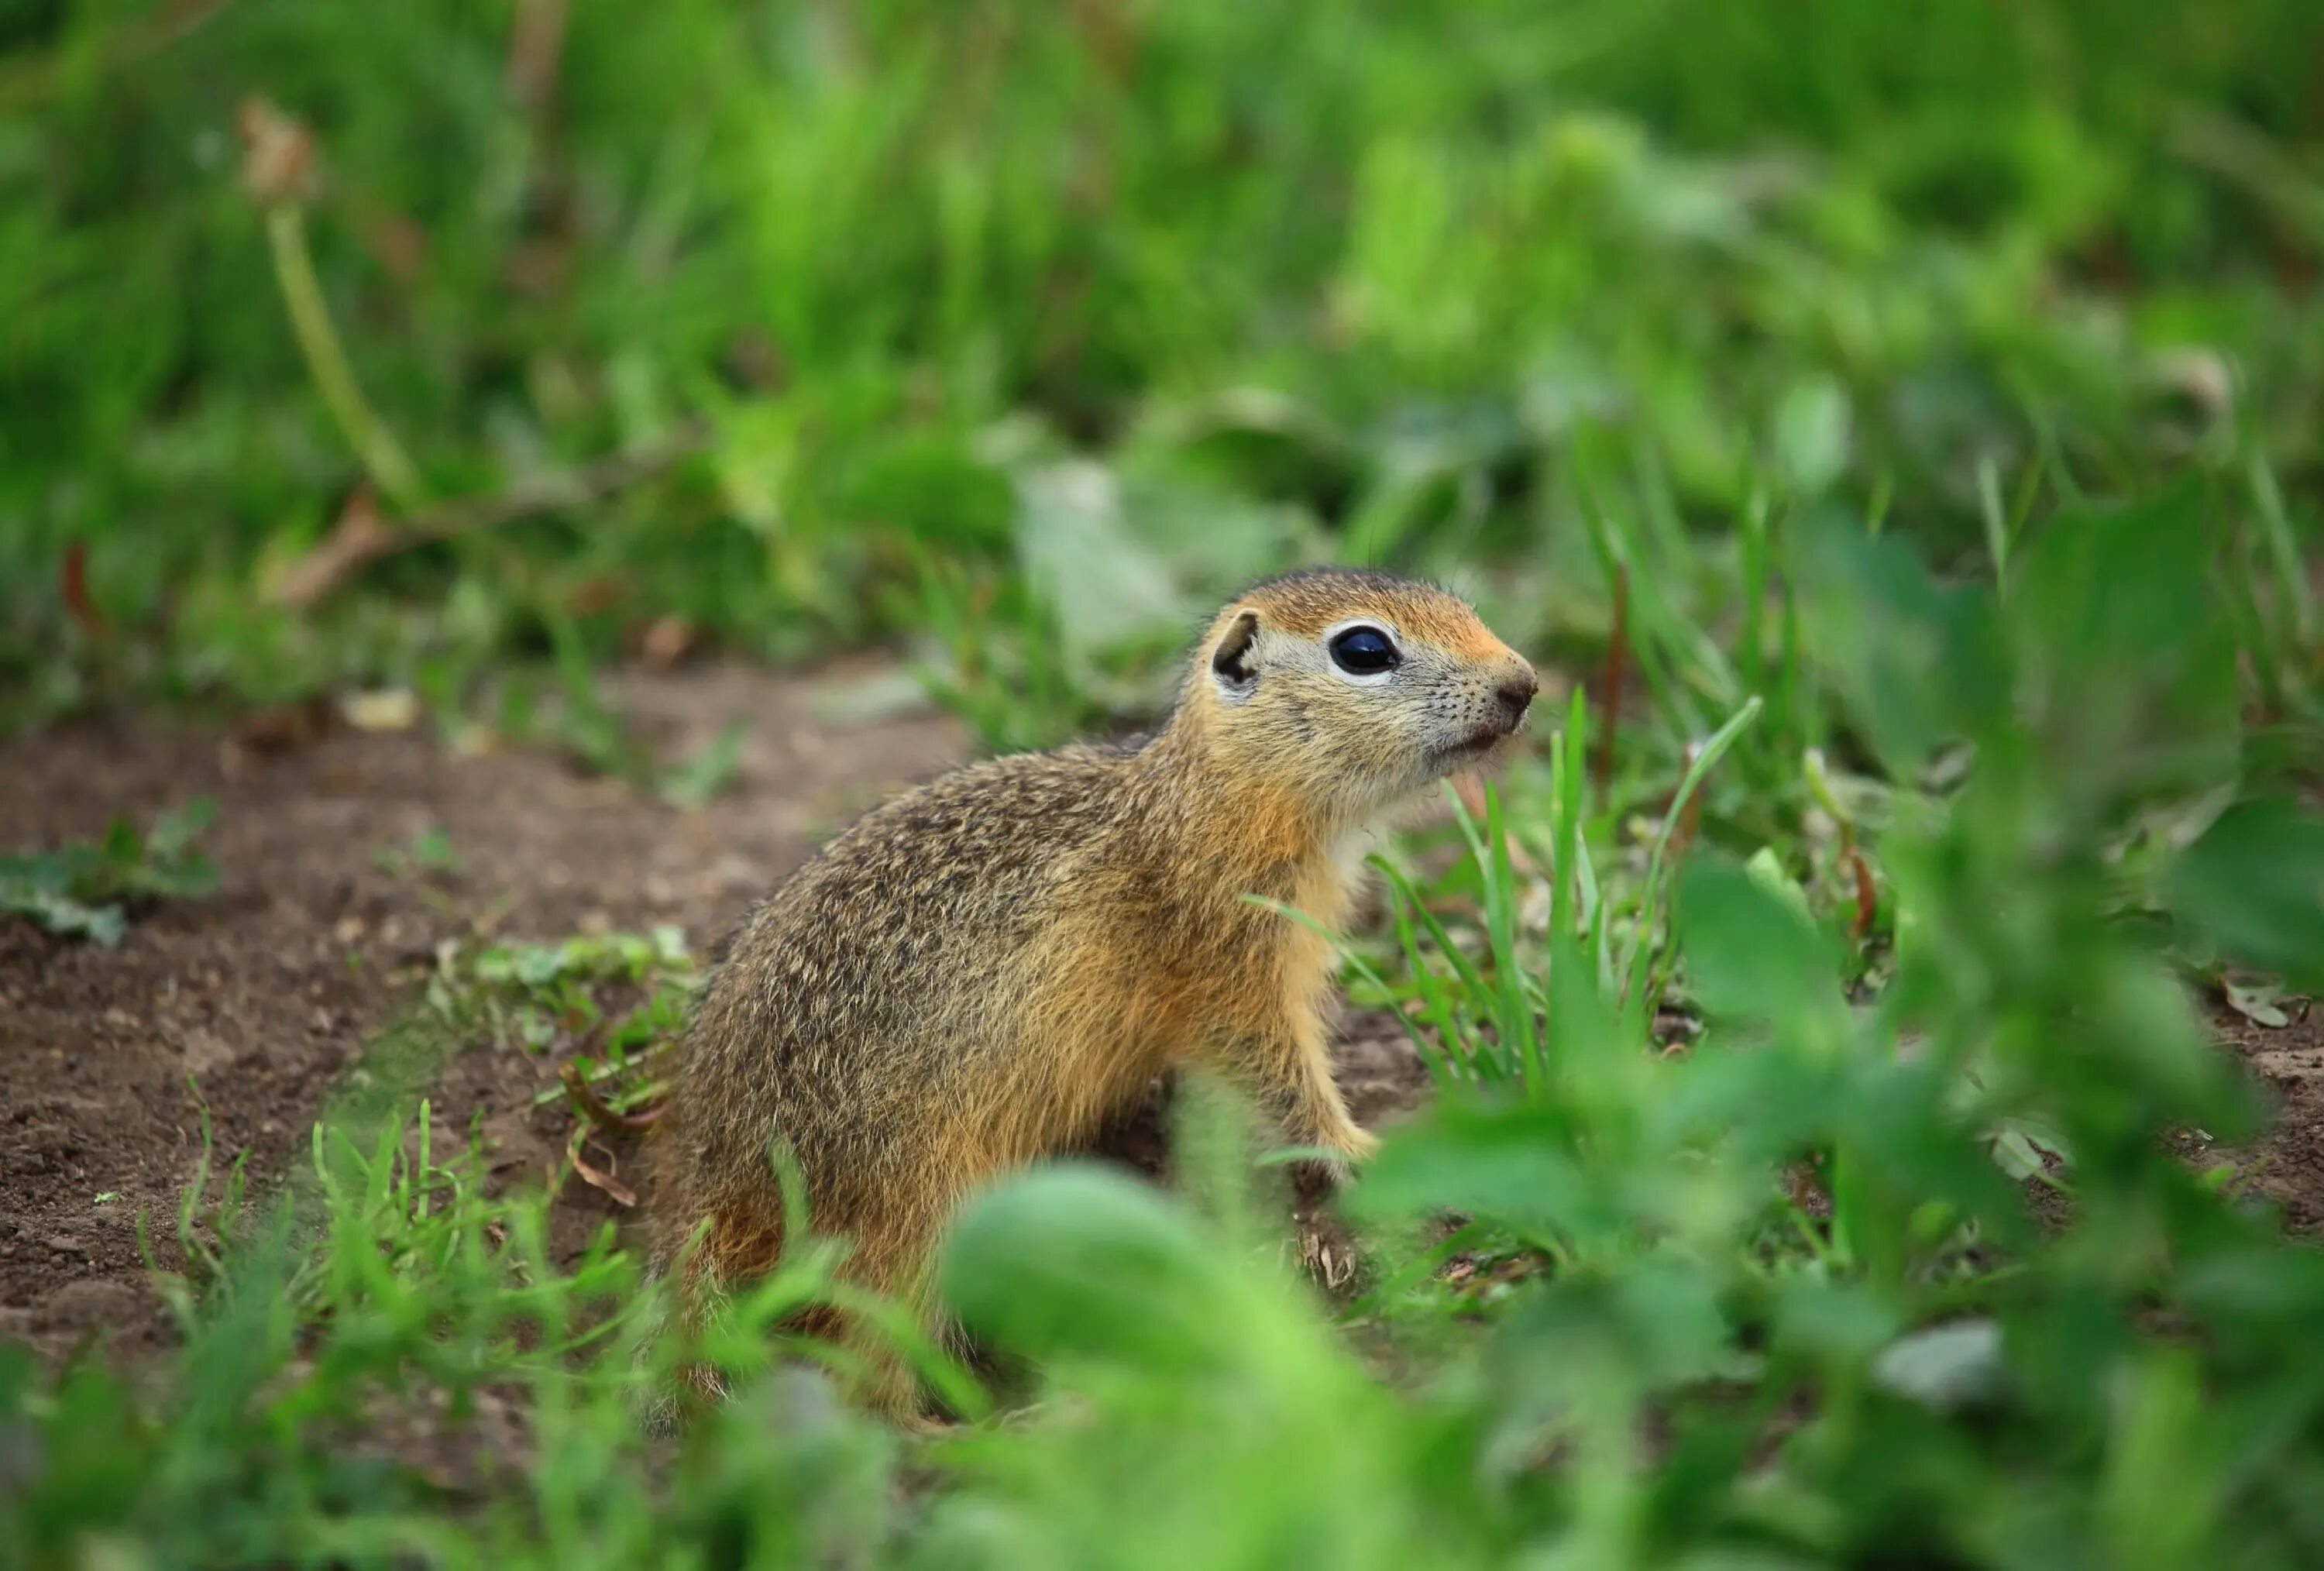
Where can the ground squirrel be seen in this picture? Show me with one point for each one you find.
(979, 972)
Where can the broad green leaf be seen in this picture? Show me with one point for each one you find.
(2258, 1002)
(1505, 1160)
(1812, 433)
(1821, 1319)
(1652, 1324)
(1106, 586)
(1917, 663)
(2253, 881)
(1945, 1366)
(1768, 871)
(1080, 1260)
(58, 912)
(1750, 953)
(2127, 662)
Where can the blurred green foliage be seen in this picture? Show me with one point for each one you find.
(1157, 294)
(1935, 389)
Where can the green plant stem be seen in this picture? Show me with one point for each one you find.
(1650, 898)
(327, 361)
(1997, 521)
(2283, 552)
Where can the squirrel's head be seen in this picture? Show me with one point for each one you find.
(1355, 689)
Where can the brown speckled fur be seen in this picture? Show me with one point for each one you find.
(981, 971)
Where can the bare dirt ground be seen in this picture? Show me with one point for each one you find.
(259, 1001)
(2288, 1170)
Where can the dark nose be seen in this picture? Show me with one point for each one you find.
(1516, 696)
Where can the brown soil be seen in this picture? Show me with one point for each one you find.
(2287, 1168)
(258, 1003)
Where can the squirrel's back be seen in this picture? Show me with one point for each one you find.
(892, 937)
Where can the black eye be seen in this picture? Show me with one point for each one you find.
(1363, 652)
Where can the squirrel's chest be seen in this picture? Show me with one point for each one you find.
(1349, 869)
(1272, 950)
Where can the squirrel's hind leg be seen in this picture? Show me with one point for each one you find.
(890, 1258)
(896, 1263)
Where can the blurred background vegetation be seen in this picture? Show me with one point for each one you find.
(787, 326)
(1921, 404)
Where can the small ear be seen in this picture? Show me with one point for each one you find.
(1229, 661)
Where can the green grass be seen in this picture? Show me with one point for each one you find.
(1914, 412)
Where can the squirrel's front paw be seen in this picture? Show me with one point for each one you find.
(1327, 1251)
